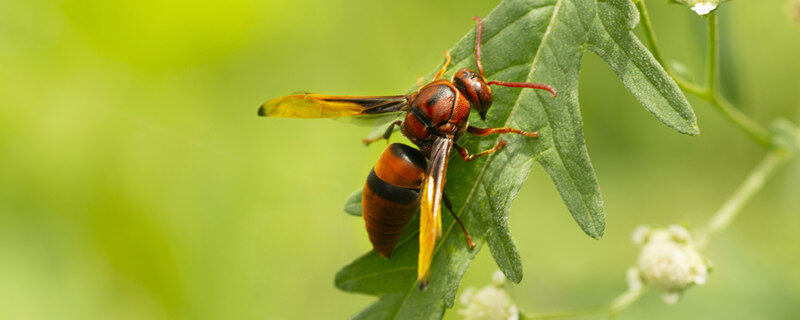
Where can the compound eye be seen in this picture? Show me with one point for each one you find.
(485, 99)
(475, 89)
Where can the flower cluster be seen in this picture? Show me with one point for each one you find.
(668, 261)
(491, 302)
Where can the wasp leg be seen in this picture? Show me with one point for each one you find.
(441, 71)
(469, 157)
(487, 131)
(386, 135)
(464, 229)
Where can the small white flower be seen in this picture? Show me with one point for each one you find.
(668, 262)
(489, 303)
(665, 265)
(679, 234)
(704, 7)
(701, 7)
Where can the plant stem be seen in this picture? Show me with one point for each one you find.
(754, 182)
(618, 304)
(713, 52)
(652, 44)
(625, 300)
(756, 131)
(566, 314)
(647, 27)
(707, 92)
(753, 129)
(688, 86)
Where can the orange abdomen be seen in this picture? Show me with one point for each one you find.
(391, 195)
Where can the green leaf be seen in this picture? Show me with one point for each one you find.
(352, 205)
(535, 41)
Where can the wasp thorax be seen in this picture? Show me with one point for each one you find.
(474, 87)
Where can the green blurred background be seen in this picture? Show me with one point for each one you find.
(136, 181)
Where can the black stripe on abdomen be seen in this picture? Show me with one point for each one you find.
(409, 155)
(389, 192)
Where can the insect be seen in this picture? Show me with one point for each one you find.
(404, 178)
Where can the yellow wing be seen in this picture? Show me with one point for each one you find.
(311, 105)
(430, 221)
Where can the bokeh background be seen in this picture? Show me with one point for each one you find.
(136, 181)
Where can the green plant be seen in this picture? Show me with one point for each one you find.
(544, 41)
(782, 142)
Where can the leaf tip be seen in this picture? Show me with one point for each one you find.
(694, 130)
(598, 231)
(352, 205)
(339, 280)
(688, 127)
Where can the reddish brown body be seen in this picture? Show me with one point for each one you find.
(438, 109)
(391, 195)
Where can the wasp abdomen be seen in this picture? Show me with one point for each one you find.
(391, 195)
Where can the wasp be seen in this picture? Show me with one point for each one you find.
(404, 178)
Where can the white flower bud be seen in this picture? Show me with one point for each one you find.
(679, 234)
(489, 303)
(669, 262)
(703, 8)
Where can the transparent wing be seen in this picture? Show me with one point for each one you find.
(311, 105)
(379, 122)
(430, 222)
